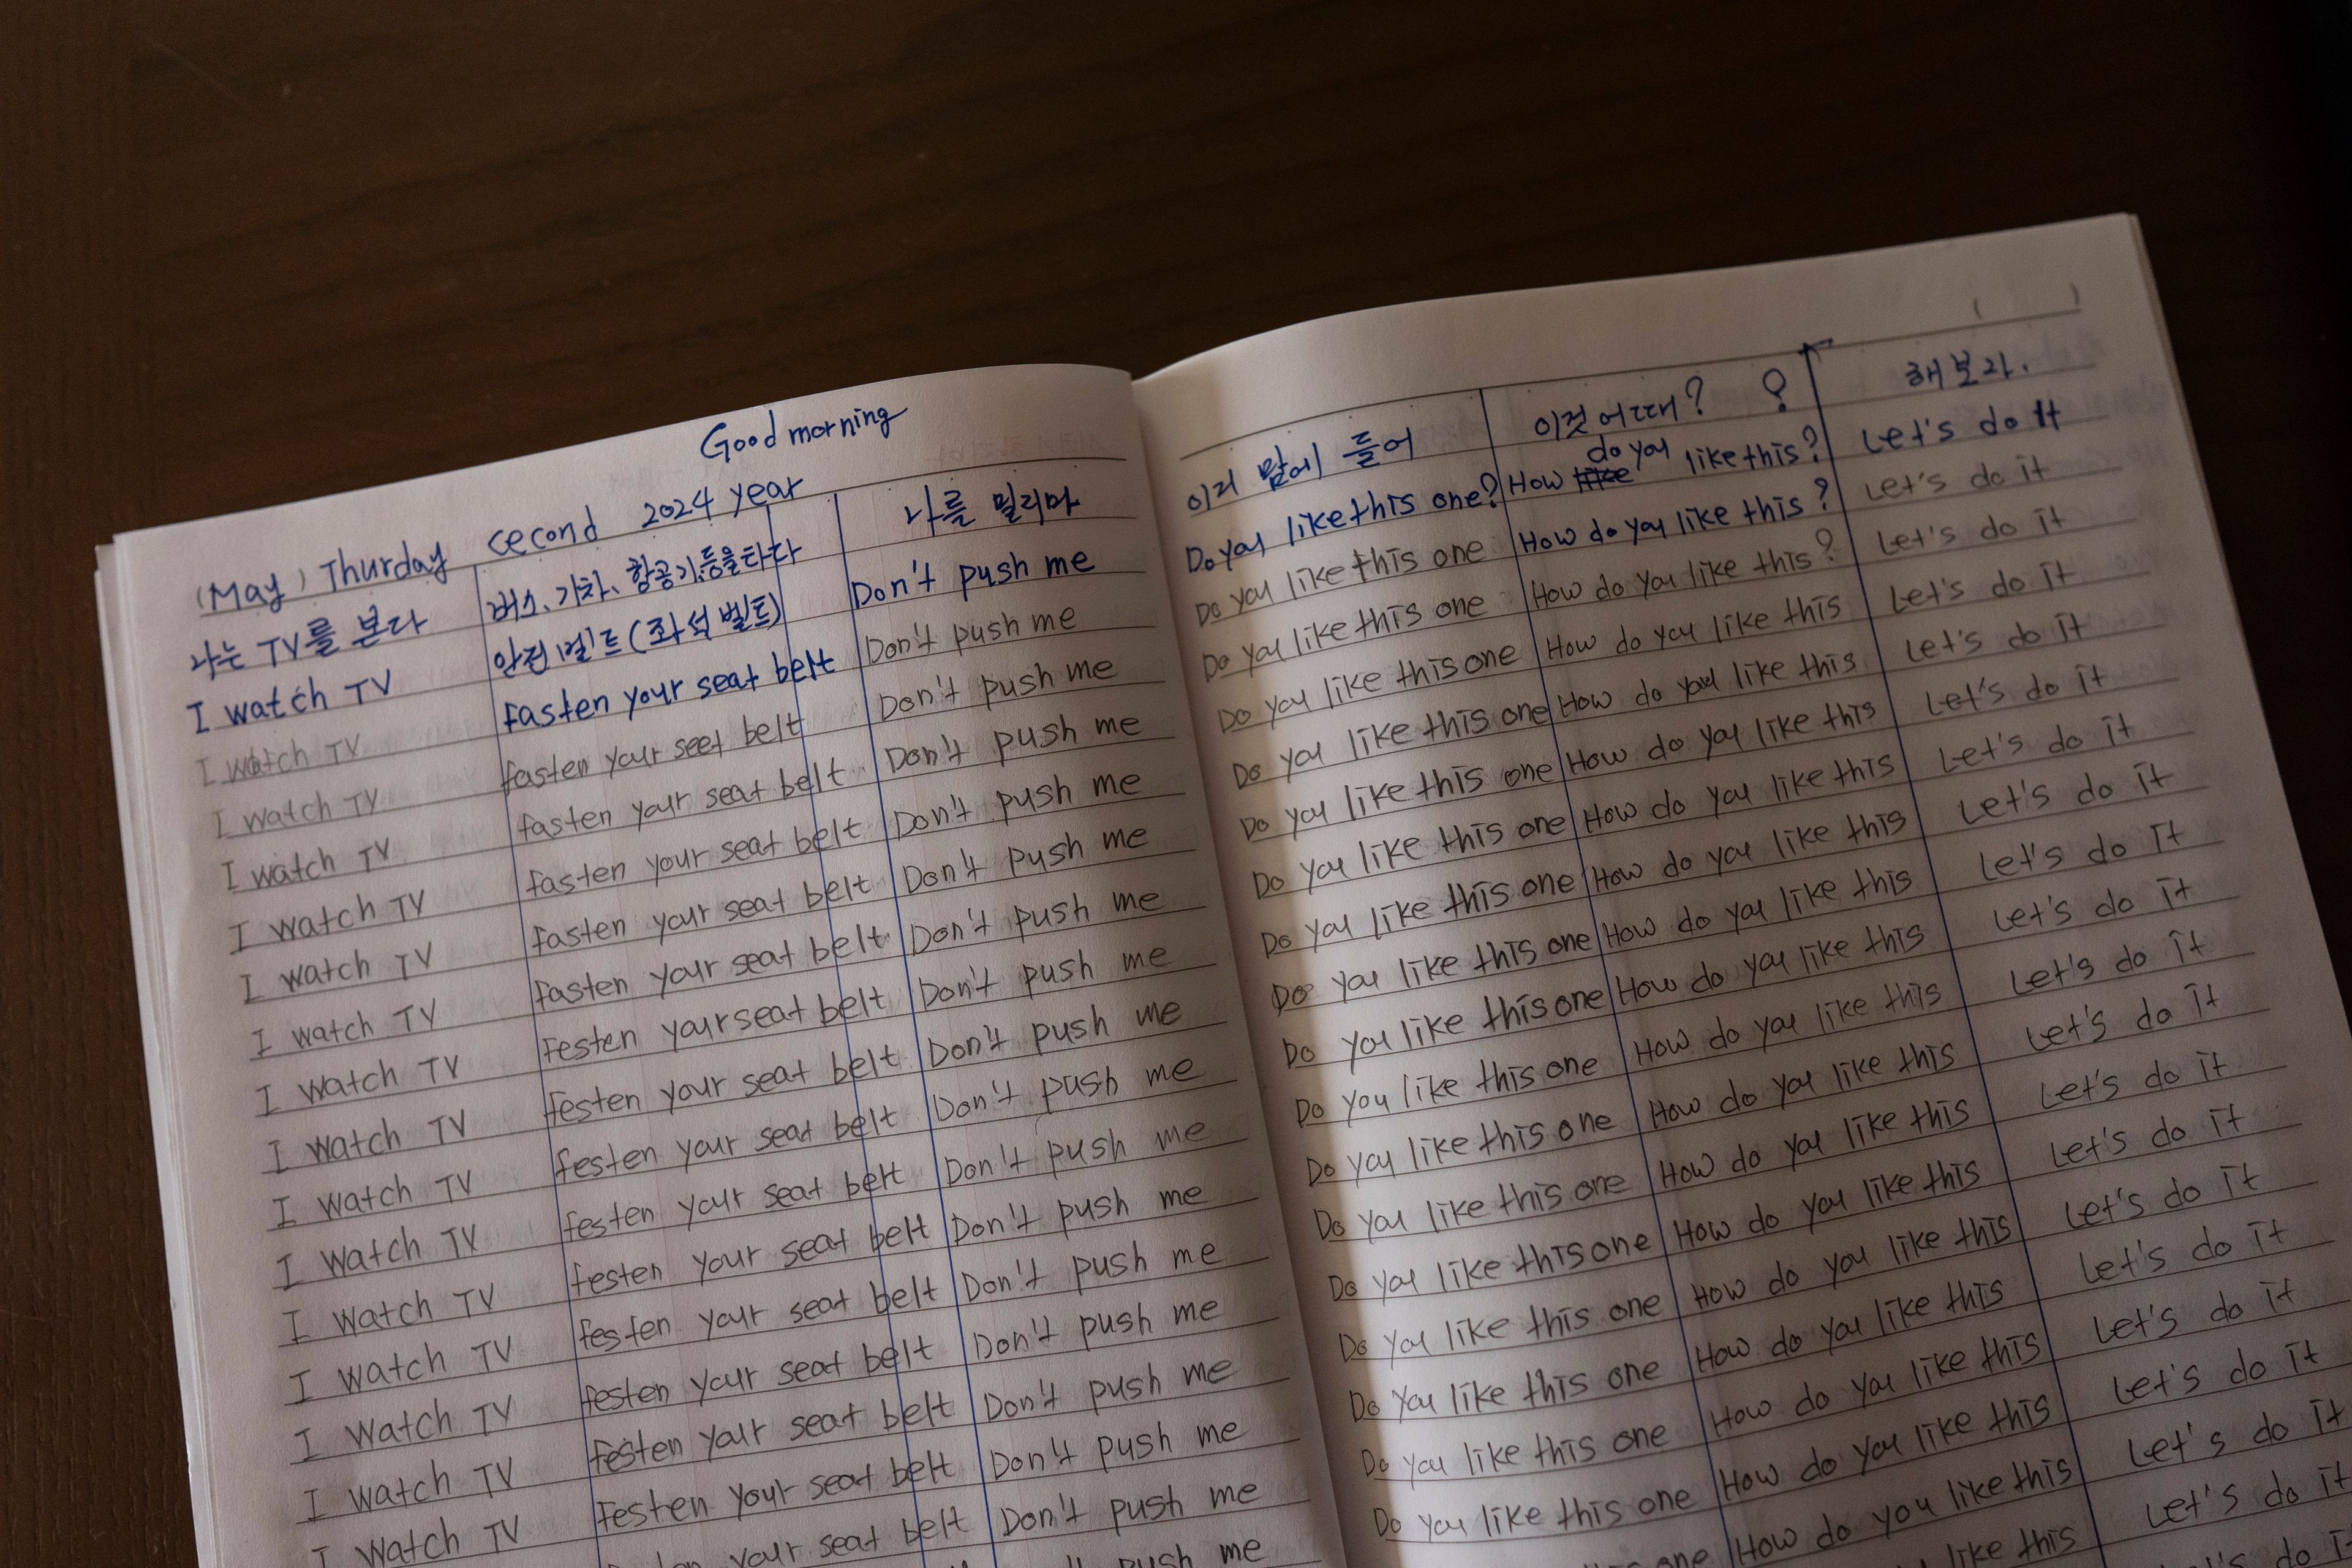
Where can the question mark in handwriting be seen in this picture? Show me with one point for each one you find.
(1775, 384)
(1812, 438)
(1696, 385)
(1822, 485)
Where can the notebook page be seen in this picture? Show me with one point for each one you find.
(1792, 1019)
(691, 1012)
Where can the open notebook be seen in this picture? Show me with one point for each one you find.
(1647, 923)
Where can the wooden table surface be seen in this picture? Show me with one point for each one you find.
(254, 252)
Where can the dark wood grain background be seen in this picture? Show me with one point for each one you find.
(254, 252)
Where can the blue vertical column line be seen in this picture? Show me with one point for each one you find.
(915, 1028)
(857, 1101)
(1609, 987)
(1808, 351)
(539, 1062)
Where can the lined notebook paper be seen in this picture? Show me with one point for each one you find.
(1647, 923)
